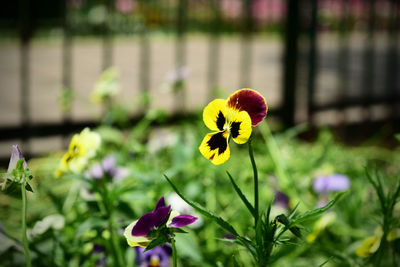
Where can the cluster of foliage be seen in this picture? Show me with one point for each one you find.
(65, 223)
(82, 202)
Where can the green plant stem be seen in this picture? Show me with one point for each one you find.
(255, 174)
(174, 261)
(110, 216)
(24, 238)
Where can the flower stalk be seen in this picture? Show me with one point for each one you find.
(114, 240)
(255, 175)
(24, 237)
(174, 260)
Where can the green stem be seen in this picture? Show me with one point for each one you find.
(114, 240)
(174, 262)
(253, 163)
(24, 238)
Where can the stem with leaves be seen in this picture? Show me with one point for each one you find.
(119, 261)
(255, 175)
(24, 238)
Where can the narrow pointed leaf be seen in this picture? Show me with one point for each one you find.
(28, 187)
(221, 222)
(313, 213)
(161, 240)
(242, 196)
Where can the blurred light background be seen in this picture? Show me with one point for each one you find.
(324, 62)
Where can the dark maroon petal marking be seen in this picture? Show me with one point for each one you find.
(218, 141)
(182, 220)
(251, 102)
(160, 203)
(144, 225)
(220, 121)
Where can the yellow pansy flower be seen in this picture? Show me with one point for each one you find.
(83, 147)
(232, 117)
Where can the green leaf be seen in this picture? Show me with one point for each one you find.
(378, 188)
(242, 196)
(19, 165)
(296, 231)
(90, 223)
(221, 222)
(293, 211)
(313, 213)
(178, 230)
(160, 240)
(259, 233)
(282, 219)
(28, 187)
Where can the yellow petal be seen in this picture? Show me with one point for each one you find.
(368, 246)
(240, 127)
(394, 234)
(215, 147)
(135, 241)
(214, 115)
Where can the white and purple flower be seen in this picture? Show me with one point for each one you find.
(137, 233)
(16, 155)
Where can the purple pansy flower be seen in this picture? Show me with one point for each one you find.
(136, 233)
(107, 167)
(100, 249)
(332, 183)
(158, 256)
(281, 200)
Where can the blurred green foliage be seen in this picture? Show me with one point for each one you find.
(149, 152)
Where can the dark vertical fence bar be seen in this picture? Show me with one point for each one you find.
(290, 62)
(343, 65)
(180, 52)
(246, 44)
(213, 49)
(66, 68)
(25, 28)
(392, 61)
(368, 77)
(312, 60)
(107, 35)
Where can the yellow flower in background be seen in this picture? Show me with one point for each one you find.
(232, 117)
(371, 243)
(106, 86)
(321, 224)
(83, 147)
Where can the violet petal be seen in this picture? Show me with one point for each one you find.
(15, 156)
(160, 203)
(182, 220)
(108, 164)
(144, 225)
(96, 171)
(161, 214)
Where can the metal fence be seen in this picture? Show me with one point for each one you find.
(361, 51)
